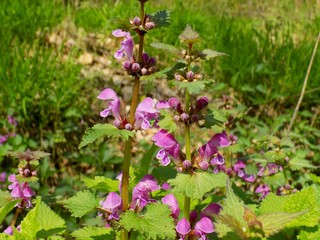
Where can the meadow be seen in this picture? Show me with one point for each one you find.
(57, 56)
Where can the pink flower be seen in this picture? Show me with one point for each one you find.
(126, 50)
(20, 190)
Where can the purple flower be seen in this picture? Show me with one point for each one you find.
(9, 230)
(12, 120)
(171, 201)
(203, 227)
(211, 210)
(146, 111)
(169, 146)
(3, 177)
(22, 191)
(114, 105)
(141, 192)
(112, 205)
(209, 151)
(264, 190)
(165, 186)
(126, 50)
(183, 228)
(3, 139)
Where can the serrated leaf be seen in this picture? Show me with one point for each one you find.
(275, 222)
(156, 75)
(286, 142)
(305, 235)
(197, 184)
(4, 210)
(101, 183)
(208, 54)
(306, 199)
(161, 18)
(194, 87)
(5, 236)
(230, 223)
(154, 223)
(189, 36)
(166, 47)
(272, 204)
(297, 164)
(94, 233)
(233, 207)
(49, 222)
(167, 122)
(41, 222)
(82, 203)
(5, 197)
(103, 130)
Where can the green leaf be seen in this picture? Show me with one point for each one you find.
(272, 204)
(227, 223)
(194, 87)
(146, 160)
(189, 36)
(167, 122)
(41, 222)
(197, 184)
(103, 130)
(7, 208)
(82, 203)
(94, 233)
(306, 199)
(166, 47)
(275, 222)
(156, 75)
(5, 197)
(154, 223)
(305, 235)
(297, 163)
(101, 183)
(161, 18)
(208, 54)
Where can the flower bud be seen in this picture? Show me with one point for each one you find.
(128, 126)
(34, 173)
(201, 103)
(135, 67)
(145, 58)
(176, 118)
(184, 117)
(149, 25)
(179, 169)
(186, 164)
(126, 65)
(144, 71)
(178, 77)
(204, 165)
(117, 123)
(152, 62)
(198, 76)
(136, 21)
(190, 75)
(175, 104)
(26, 172)
(152, 70)
(195, 118)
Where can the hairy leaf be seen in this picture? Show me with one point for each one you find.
(306, 199)
(208, 54)
(101, 183)
(197, 184)
(41, 222)
(189, 36)
(7, 208)
(82, 203)
(103, 130)
(230, 223)
(154, 223)
(272, 204)
(305, 235)
(161, 18)
(297, 163)
(166, 47)
(275, 222)
(5, 197)
(156, 75)
(94, 233)
(193, 87)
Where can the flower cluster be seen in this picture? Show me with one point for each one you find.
(130, 63)
(194, 114)
(205, 156)
(112, 205)
(20, 191)
(146, 111)
(145, 25)
(188, 77)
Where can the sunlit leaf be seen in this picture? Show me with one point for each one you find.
(189, 36)
(94, 233)
(166, 47)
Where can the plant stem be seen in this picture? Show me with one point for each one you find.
(304, 85)
(128, 143)
(187, 200)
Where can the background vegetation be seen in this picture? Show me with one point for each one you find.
(56, 56)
